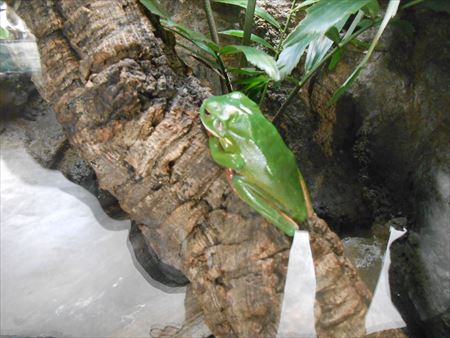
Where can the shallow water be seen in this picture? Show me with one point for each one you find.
(66, 269)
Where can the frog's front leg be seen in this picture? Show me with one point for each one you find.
(255, 198)
(222, 158)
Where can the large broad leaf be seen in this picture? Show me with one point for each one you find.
(154, 7)
(391, 11)
(319, 19)
(319, 47)
(372, 9)
(258, 11)
(255, 38)
(256, 57)
(305, 4)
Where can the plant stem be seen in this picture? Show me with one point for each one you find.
(224, 84)
(412, 3)
(278, 49)
(248, 25)
(223, 69)
(286, 26)
(211, 21)
(308, 75)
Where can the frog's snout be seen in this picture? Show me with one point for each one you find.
(207, 119)
(204, 113)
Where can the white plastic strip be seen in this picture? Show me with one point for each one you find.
(382, 314)
(297, 313)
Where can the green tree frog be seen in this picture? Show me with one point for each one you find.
(260, 167)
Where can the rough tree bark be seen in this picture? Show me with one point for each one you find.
(129, 113)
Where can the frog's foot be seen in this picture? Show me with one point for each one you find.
(222, 158)
(257, 200)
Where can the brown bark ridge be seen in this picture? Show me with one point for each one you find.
(134, 119)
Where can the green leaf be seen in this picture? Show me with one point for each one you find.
(391, 11)
(190, 34)
(253, 82)
(254, 85)
(245, 71)
(319, 19)
(154, 7)
(258, 11)
(346, 85)
(333, 35)
(256, 57)
(198, 39)
(364, 23)
(319, 47)
(255, 38)
(199, 57)
(200, 44)
(360, 44)
(355, 23)
(337, 55)
(305, 4)
(372, 9)
(4, 33)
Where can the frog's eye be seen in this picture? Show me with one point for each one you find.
(218, 125)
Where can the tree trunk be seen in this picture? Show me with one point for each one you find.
(117, 93)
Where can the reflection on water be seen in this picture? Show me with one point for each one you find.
(64, 272)
(297, 315)
(18, 53)
(382, 314)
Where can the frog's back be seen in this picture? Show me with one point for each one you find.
(280, 177)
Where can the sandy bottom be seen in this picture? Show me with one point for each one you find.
(66, 269)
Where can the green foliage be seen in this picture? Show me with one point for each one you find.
(253, 85)
(255, 38)
(391, 11)
(321, 16)
(335, 58)
(320, 38)
(324, 32)
(154, 7)
(372, 9)
(256, 57)
(319, 47)
(258, 11)
(245, 71)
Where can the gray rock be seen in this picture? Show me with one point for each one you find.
(402, 98)
(79, 171)
(15, 90)
(46, 141)
(151, 263)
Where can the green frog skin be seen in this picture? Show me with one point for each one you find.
(261, 168)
